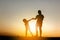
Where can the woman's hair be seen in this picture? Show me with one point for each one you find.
(39, 11)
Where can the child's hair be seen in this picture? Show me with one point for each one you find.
(24, 20)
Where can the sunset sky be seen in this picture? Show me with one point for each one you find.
(12, 12)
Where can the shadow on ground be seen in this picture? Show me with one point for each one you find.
(4, 37)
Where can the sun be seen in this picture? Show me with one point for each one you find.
(32, 25)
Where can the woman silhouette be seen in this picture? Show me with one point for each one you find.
(39, 22)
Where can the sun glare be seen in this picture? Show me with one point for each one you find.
(45, 29)
(32, 25)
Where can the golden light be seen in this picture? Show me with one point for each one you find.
(32, 25)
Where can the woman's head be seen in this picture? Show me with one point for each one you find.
(39, 12)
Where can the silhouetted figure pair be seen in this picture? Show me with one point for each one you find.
(39, 22)
(27, 26)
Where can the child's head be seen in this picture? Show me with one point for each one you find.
(24, 20)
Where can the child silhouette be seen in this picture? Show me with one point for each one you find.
(26, 22)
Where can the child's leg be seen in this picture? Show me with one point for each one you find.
(26, 32)
(30, 32)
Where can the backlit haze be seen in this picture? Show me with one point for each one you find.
(12, 12)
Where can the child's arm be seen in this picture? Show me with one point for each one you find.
(32, 19)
